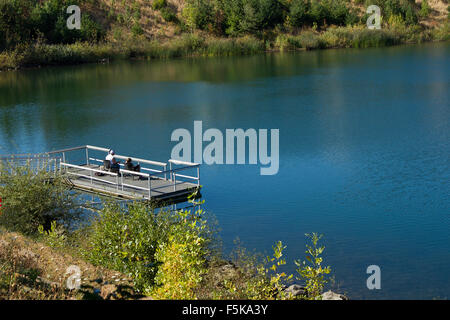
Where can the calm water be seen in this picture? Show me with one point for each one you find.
(364, 148)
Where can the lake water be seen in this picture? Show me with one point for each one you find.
(364, 148)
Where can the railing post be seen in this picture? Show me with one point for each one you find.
(170, 172)
(87, 156)
(198, 176)
(165, 172)
(174, 181)
(149, 187)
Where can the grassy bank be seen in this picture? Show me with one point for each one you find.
(164, 29)
(184, 46)
(190, 45)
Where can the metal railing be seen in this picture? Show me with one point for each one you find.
(35, 162)
(93, 165)
(187, 166)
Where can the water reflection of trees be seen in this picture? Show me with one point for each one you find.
(59, 98)
(64, 100)
(25, 86)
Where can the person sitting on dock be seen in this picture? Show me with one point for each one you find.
(130, 167)
(114, 165)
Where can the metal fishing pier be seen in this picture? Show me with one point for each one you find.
(166, 182)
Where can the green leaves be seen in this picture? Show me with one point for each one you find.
(54, 237)
(24, 21)
(33, 198)
(182, 258)
(125, 239)
(312, 271)
(162, 251)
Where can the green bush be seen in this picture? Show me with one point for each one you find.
(31, 199)
(442, 33)
(198, 14)
(137, 30)
(126, 238)
(306, 13)
(169, 14)
(311, 271)
(329, 12)
(253, 278)
(260, 15)
(24, 21)
(251, 16)
(299, 13)
(15, 22)
(267, 282)
(182, 257)
(55, 237)
(90, 30)
(403, 8)
(159, 4)
(424, 9)
(50, 19)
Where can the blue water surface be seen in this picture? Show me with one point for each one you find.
(364, 148)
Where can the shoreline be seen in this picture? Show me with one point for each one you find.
(190, 45)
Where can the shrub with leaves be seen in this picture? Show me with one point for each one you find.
(250, 16)
(268, 283)
(125, 238)
(182, 257)
(299, 12)
(169, 14)
(198, 14)
(252, 278)
(34, 197)
(24, 21)
(55, 237)
(403, 8)
(312, 271)
(15, 23)
(424, 9)
(159, 4)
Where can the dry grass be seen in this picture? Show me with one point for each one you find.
(438, 13)
(150, 20)
(31, 270)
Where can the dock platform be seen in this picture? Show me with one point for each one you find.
(129, 186)
(82, 167)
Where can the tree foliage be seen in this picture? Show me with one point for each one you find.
(24, 21)
(34, 198)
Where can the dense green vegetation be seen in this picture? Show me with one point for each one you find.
(31, 200)
(25, 21)
(166, 254)
(234, 17)
(35, 33)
